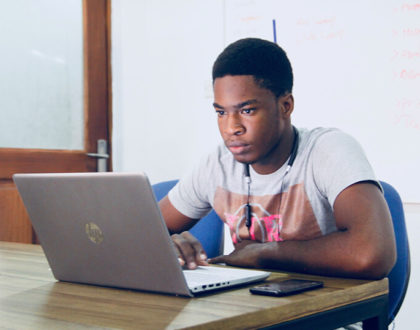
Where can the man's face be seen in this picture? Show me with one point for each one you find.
(251, 120)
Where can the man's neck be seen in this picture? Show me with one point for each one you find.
(278, 155)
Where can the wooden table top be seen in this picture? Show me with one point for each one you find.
(30, 297)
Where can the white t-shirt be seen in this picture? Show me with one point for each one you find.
(296, 206)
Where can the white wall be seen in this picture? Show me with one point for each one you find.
(162, 55)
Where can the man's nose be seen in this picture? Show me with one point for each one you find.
(234, 125)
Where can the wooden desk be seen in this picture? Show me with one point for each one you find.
(31, 298)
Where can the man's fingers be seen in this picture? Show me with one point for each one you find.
(244, 255)
(199, 253)
(218, 260)
(185, 251)
(179, 254)
(189, 250)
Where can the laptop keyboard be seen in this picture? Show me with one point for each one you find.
(208, 274)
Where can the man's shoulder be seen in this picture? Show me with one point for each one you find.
(317, 132)
(324, 136)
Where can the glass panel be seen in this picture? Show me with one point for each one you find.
(41, 81)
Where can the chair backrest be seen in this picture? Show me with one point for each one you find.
(400, 274)
(209, 230)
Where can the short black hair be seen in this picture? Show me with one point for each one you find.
(264, 60)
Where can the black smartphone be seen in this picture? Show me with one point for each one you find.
(285, 288)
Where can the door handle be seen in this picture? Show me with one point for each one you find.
(101, 155)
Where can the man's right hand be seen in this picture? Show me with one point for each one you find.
(189, 250)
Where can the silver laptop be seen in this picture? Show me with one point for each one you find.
(106, 229)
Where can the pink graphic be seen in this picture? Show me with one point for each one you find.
(252, 229)
(273, 226)
(231, 220)
(269, 227)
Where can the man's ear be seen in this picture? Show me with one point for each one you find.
(286, 103)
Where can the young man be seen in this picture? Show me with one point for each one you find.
(298, 200)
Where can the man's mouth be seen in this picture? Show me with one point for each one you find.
(237, 148)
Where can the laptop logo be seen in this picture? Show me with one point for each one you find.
(94, 233)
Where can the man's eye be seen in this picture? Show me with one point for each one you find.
(247, 111)
(220, 113)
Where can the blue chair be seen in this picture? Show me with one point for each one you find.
(209, 230)
(400, 274)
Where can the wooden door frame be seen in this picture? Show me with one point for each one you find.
(14, 221)
(97, 97)
(97, 77)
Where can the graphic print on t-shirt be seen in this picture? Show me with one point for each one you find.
(285, 216)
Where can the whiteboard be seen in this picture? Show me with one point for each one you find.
(356, 67)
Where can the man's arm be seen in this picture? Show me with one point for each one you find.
(363, 246)
(189, 249)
